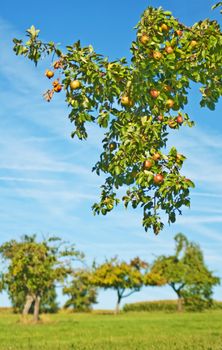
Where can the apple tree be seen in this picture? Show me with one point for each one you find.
(186, 273)
(125, 278)
(32, 268)
(137, 102)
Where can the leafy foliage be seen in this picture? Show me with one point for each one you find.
(186, 273)
(137, 103)
(80, 292)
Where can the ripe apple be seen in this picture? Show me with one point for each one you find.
(157, 55)
(158, 179)
(154, 93)
(112, 146)
(57, 64)
(75, 84)
(147, 164)
(156, 156)
(126, 101)
(172, 123)
(49, 73)
(160, 118)
(170, 103)
(164, 27)
(55, 83)
(58, 88)
(179, 32)
(144, 39)
(169, 49)
(179, 119)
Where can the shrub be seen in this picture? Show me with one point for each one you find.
(159, 305)
(165, 305)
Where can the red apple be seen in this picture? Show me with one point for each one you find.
(154, 93)
(158, 179)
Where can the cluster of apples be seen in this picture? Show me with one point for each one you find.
(173, 122)
(57, 86)
(144, 39)
(148, 164)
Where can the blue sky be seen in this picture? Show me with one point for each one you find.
(46, 184)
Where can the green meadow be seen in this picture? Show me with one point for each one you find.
(136, 331)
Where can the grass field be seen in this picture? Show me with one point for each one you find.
(136, 331)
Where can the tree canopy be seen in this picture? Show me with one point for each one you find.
(125, 278)
(185, 271)
(34, 267)
(138, 103)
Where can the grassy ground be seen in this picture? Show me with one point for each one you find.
(136, 331)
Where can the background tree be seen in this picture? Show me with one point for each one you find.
(82, 294)
(125, 278)
(186, 273)
(34, 267)
(137, 103)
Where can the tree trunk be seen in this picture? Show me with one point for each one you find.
(180, 304)
(28, 304)
(118, 304)
(36, 309)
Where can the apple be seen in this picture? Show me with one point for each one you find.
(158, 179)
(75, 84)
(172, 123)
(126, 101)
(154, 93)
(179, 119)
(144, 39)
(58, 88)
(164, 27)
(160, 118)
(170, 103)
(156, 156)
(49, 73)
(179, 32)
(147, 164)
(57, 64)
(169, 49)
(55, 83)
(157, 55)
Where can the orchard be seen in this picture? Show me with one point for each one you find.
(137, 103)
